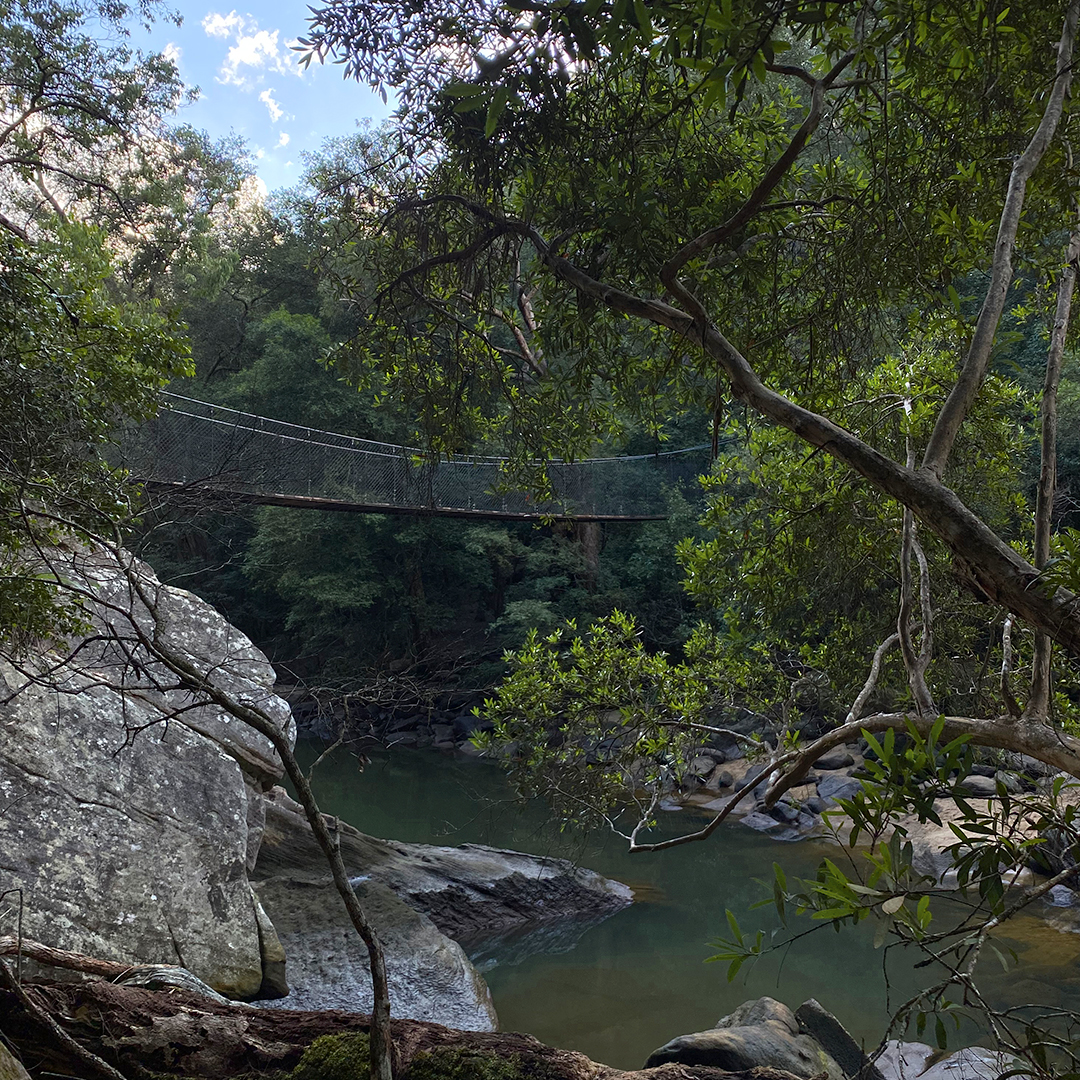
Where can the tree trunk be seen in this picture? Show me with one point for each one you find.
(590, 537)
(999, 572)
(1038, 706)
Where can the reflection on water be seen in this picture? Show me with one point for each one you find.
(618, 989)
(510, 950)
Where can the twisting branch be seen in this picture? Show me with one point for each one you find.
(870, 685)
(914, 664)
(1011, 704)
(1054, 748)
(1000, 572)
(767, 184)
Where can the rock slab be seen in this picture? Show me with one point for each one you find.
(417, 895)
(128, 819)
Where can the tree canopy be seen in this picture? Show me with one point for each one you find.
(81, 164)
(842, 231)
(811, 213)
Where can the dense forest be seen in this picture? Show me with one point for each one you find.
(836, 241)
(336, 599)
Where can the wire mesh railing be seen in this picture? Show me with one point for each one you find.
(194, 442)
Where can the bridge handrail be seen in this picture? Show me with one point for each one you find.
(360, 445)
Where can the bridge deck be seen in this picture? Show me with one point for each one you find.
(314, 502)
(241, 457)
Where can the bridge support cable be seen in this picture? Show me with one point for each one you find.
(248, 458)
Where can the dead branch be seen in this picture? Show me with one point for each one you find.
(91, 1061)
(71, 961)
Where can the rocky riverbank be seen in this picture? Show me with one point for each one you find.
(811, 1042)
(136, 819)
(428, 901)
(147, 1032)
(714, 772)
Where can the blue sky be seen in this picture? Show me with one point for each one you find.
(251, 85)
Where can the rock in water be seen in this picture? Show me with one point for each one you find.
(411, 893)
(816, 1021)
(130, 826)
(758, 1033)
(911, 1060)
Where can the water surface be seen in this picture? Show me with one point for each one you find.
(640, 978)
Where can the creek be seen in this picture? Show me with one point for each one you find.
(630, 983)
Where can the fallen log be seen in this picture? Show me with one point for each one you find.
(71, 961)
(175, 1033)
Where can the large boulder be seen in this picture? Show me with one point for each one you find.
(129, 812)
(415, 894)
(133, 812)
(10, 1067)
(763, 1033)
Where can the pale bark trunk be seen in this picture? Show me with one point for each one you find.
(995, 568)
(1038, 706)
(977, 361)
(1011, 705)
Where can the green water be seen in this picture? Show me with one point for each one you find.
(640, 978)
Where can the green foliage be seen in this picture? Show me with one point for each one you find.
(76, 364)
(335, 1057)
(877, 880)
(453, 1063)
(594, 720)
(83, 109)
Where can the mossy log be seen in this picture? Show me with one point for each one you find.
(154, 1034)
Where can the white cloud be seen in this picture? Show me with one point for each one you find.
(222, 26)
(172, 52)
(260, 153)
(272, 107)
(252, 52)
(283, 139)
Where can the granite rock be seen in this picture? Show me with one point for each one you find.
(130, 819)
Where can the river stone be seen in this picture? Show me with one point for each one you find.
(430, 977)
(838, 787)
(910, 1060)
(760, 822)
(415, 895)
(700, 766)
(1061, 896)
(981, 787)
(835, 759)
(10, 1068)
(720, 778)
(761, 1033)
(835, 1039)
(129, 835)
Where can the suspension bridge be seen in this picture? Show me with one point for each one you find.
(241, 457)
